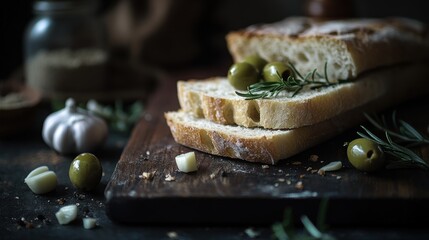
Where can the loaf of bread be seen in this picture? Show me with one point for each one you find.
(269, 146)
(384, 60)
(350, 47)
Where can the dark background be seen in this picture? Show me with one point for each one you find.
(217, 18)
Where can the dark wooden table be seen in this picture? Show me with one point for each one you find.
(378, 213)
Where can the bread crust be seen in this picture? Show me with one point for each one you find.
(349, 46)
(270, 146)
(218, 102)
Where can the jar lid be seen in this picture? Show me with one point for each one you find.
(63, 6)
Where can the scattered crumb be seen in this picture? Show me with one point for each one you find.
(61, 201)
(296, 163)
(287, 174)
(314, 171)
(281, 180)
(288, 182)
(172, 235)
(338, 177)
(212, 176)
(276, 184)
(314, 158)
(79, 196)
(345, 144)
(17, 198)
(299, 185)
(251, 233)
(321, 172)
(66, 188)
(322, 161)
(147, 175)
(265, 166)
(144, 157)
(308, 169)
(280, 171)
(147, 153)
(169, 178)
(302, 176)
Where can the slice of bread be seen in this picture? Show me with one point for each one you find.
(250, 144)
(269, 146)
(348, 46)
(215, 99)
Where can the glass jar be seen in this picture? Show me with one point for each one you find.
(64, 48)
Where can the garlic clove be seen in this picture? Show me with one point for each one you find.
(66, 214)
(89, 223)
(186, 162)
(41, 180)
(332, 166)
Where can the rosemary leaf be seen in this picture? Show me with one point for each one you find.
(309, 226)
(403, 155)
(294, 84)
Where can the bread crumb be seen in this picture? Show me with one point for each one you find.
(299, 185)
(308, 169)
(314, 158)
(296, 163)
(169, 178)
(338, 177)
(314, 171)
(276, 184)
(212, 176)
(61, 201)
(147, 175)
(281, 180)
(302, 176)
(265, 166)
(288, 182)
(321, 172)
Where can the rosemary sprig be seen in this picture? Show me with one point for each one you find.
(407, 135)
(294, 83)
(285, 230)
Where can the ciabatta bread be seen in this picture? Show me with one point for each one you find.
(350, 47)
(215, 99)
(269, 146)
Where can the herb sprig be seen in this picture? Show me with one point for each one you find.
(294, 83)
(285, 230)
(399, 140)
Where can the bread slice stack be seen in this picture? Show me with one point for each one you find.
(385, 60)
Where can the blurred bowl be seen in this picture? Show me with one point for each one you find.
(18, 105)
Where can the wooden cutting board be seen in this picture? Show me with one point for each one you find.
(227, 191)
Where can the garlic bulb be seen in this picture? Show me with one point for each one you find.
(74, 130)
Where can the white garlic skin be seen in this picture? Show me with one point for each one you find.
(74, 130)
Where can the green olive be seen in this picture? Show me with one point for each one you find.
(258, 62)
(85, 172)
(241, 75)
(275, 71)
(365, 155)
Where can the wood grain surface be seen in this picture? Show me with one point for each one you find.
(228, 191)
